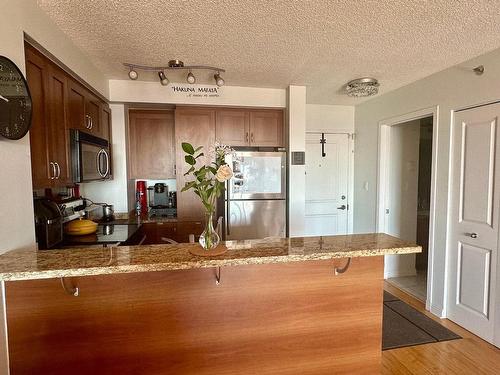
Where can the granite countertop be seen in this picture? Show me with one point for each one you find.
(26, 264)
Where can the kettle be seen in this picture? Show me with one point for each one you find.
(108, 212)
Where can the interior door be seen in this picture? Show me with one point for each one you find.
(474, 219)
(327, 169)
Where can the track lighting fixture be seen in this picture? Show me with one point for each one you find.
(219, 81)
(175, 65)
(191, 78)
(163, 78)
(133, 75)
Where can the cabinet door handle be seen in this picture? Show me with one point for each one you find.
(52, 170)
(91, 123)
(87, 121)
(246, 137)
(251, 138)
(58, 170)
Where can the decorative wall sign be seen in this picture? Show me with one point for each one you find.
(196, 91)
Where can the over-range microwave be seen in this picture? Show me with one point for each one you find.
(90, 157)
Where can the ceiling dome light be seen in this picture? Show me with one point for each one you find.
(163, 78)
(362, 87)
(218, 79)
(191, 78)
(132, 74)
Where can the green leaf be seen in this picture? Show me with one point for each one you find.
(189, 171)
(188, 148)
(190, 160)
(198, 148)
(189, 185)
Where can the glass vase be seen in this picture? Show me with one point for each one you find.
(209, 239)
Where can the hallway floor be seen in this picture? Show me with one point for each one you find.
(470, 355)
(414, 285)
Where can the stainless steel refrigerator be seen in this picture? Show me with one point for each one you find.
(255, 198)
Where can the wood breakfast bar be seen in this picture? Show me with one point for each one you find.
(276, 306)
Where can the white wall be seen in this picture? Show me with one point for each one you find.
(152, 92)
(330, 118)
(453, 88)
(16, 206)
(403, 194)
(296, 173)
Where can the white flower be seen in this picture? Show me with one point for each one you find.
(224, 173)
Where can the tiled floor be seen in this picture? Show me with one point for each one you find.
(414, 285)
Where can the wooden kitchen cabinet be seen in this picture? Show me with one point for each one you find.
(255, 128)
(155, 233)
(151, 146)
(105, 121)
(266, 128)
(232, 127)
(195, 126)
(84, 110)
(48, 136)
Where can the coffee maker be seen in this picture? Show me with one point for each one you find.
(161, 202)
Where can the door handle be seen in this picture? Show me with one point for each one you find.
(106, 155)
(471, 235)
(87, 121)
(343, 207)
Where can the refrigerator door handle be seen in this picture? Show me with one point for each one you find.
(228, 212)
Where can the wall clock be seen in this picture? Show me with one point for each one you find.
(15, 101)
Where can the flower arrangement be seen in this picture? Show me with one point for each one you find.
(208, 183)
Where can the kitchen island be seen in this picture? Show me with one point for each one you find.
(275, 306)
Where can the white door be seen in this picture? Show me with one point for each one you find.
(474, 219)
(327, 168)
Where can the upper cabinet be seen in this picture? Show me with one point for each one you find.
(60, 103)
(255, 127)
(151, 144)
(84, 111)
(48, 136)
(232, 127)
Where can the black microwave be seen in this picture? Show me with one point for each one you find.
(90, 157)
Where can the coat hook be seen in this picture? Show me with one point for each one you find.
(74, 291)
(323, 141)
(338, 271)
(217, 276)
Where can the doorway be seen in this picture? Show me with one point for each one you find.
(405, 198)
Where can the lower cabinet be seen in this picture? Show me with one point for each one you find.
(285, 318)
(162, 233)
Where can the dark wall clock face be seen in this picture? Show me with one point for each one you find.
(15, 101)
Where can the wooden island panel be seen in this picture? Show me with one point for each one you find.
(283, 318)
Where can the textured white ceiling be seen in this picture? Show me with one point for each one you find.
(320, 44)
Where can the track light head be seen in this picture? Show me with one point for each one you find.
(219, 81)
(132, 74)
(163, 78)
(191, 78)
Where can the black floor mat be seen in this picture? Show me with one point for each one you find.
(405, 326)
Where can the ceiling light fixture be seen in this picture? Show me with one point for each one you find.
(175, 65)
(219, 81)
(362, 87)
(133, 75)
(163, 78)
(191, 78)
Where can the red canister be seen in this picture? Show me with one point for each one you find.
(141, 190)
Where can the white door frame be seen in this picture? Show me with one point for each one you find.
(350, 172)
(383, 173)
